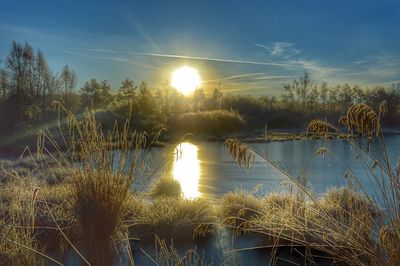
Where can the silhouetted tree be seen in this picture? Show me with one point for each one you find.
(128, 88)
(68, 82)
(95, 94)
(198, 99)
(145, 99)
(4, 86)
(216, 98)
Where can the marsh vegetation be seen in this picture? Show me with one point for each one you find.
(79, 200)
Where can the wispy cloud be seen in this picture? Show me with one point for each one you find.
(289, 54)
(280, 49)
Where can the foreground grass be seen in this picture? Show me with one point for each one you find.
(340, 226)
(278, 219)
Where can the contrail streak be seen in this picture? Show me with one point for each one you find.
(218, 60)
(238, 76)
(272, 77)
(255, 75)
(223, 60)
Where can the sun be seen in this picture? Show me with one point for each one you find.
(185, 79)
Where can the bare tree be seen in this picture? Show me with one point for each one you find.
(4, 83)
(302, 87)
(128, 88)
(299, 90)
(43, 80)
(28, 60)
(68, 83)
(15, 66)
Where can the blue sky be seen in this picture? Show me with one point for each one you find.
(251, 46)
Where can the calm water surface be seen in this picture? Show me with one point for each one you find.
(206, 169)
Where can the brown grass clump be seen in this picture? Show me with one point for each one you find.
(276, 201)
(174, 218)
(389, 238)
(103, 183)
(318, 127)
(99, 198)
(354, 214)
(240, 207)
(341, 203)
(363, 119)
(167, 187)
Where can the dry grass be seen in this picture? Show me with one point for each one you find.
(363, 119)
(168, 255)
(102, 183)
(17, 246)
(174, 218)
(88, 210)
(99, 198)
(344, 225)
(166, 187)
(26, 226)
(240, 206)
(331, 229)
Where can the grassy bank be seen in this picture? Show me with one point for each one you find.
(342, 225)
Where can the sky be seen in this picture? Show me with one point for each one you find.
(248, 47)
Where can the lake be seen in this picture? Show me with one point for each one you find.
(206, 169)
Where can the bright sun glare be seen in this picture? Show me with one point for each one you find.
(186, 169)
(185, 79)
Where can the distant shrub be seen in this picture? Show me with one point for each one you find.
(209, 122)
(107, 119)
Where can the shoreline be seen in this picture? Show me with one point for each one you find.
(8, 151)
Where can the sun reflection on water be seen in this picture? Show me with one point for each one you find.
(186, 169)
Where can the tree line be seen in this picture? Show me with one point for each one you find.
(28, 87)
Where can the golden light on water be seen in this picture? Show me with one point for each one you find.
(186, 169)
(185, 79)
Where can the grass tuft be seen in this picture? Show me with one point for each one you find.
(174, 218)
(166, 187)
